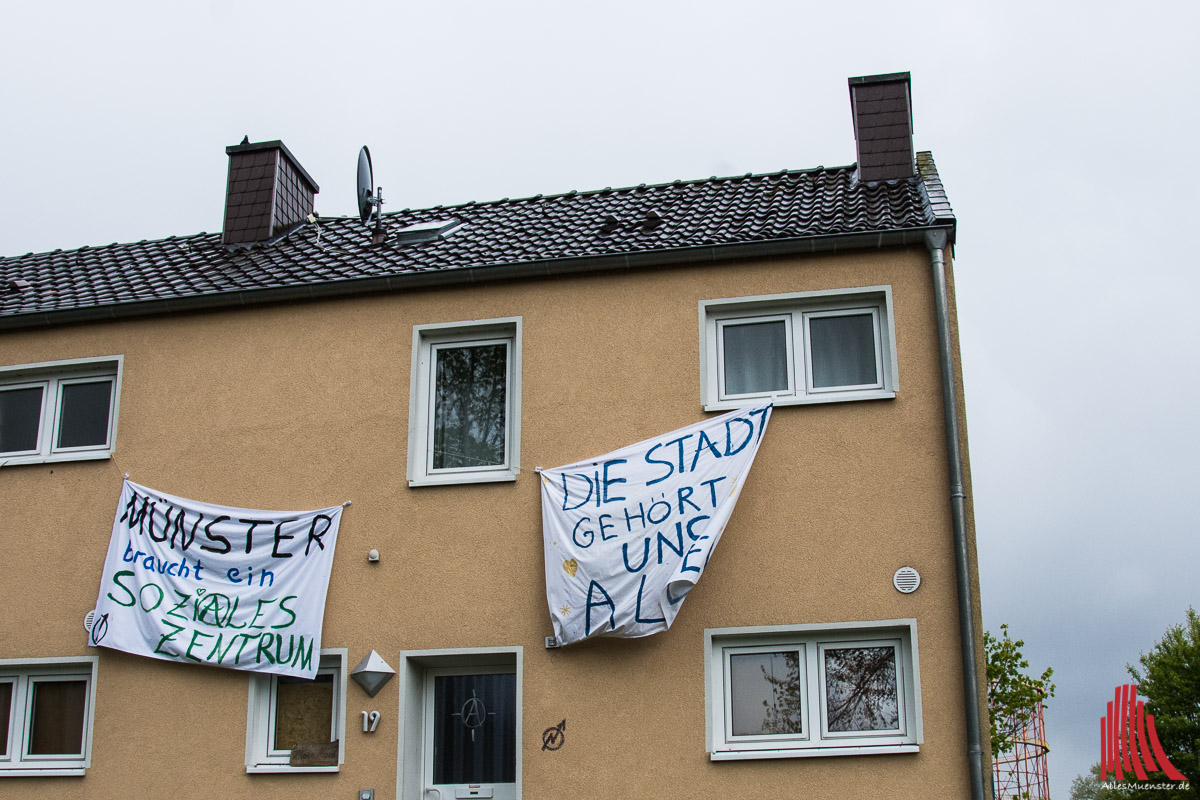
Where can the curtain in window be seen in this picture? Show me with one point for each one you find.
(20, 416)
(57, 724)
(766, 693)
(755, 357)
(84, 417)
(843, 350)
(6, 693)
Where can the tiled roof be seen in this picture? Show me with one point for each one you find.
(556, 231)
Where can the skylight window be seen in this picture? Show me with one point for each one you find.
(426, 231)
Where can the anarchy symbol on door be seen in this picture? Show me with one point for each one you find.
(473, 713)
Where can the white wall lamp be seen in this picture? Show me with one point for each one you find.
(372, 673)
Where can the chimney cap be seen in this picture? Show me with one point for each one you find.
(251, 147)
(886, 78)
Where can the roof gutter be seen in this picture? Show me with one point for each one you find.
(453, 276)
(936, 241)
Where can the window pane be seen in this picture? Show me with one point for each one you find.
(766, 693)
(470, 406)
(755, 357)
(83, 416)
(843, 350)
(303, 711)
(860, 689)
(6, 694)
(56, 723)
(474, 728)
(20, 416)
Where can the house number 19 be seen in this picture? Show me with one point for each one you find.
(370, 721)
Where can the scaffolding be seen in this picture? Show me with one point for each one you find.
(1020, 772)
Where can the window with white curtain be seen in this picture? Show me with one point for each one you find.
(811, 347)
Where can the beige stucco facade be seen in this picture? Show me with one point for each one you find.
(306, 405)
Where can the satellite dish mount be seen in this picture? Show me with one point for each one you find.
(369, 203)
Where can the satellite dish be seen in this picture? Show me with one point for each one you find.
(369, 203)
(366, 182)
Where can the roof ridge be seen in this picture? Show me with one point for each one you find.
(176, 238)
(713, 179)
(611, 190)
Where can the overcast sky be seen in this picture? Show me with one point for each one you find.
(1060, 131)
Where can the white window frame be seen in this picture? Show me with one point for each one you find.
(797, 309)
(21, 672)
(727, 705)
(812, 640)
(416, 672)
(52, 376)
(427, 341)
(810, 384)
(260, 718)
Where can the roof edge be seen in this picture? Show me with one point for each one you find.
(615, 190)
(472, 275)
(933, 193)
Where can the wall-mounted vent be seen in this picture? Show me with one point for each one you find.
(906, 580)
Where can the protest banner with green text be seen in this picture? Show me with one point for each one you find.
(198, 583)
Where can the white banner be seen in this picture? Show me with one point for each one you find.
(627, 534)
(231, 587)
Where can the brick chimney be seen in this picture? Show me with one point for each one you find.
(882, 109)
(268, 192)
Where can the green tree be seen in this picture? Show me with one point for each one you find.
(1012, 694)
(1169, 679)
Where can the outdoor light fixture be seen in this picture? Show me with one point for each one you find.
(372, 673)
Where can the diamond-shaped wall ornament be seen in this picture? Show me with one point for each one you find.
(372, 673)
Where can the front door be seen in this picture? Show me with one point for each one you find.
(470, 733)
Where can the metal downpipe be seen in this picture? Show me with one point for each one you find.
(936, 240)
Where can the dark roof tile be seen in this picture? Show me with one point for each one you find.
(718, 211)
